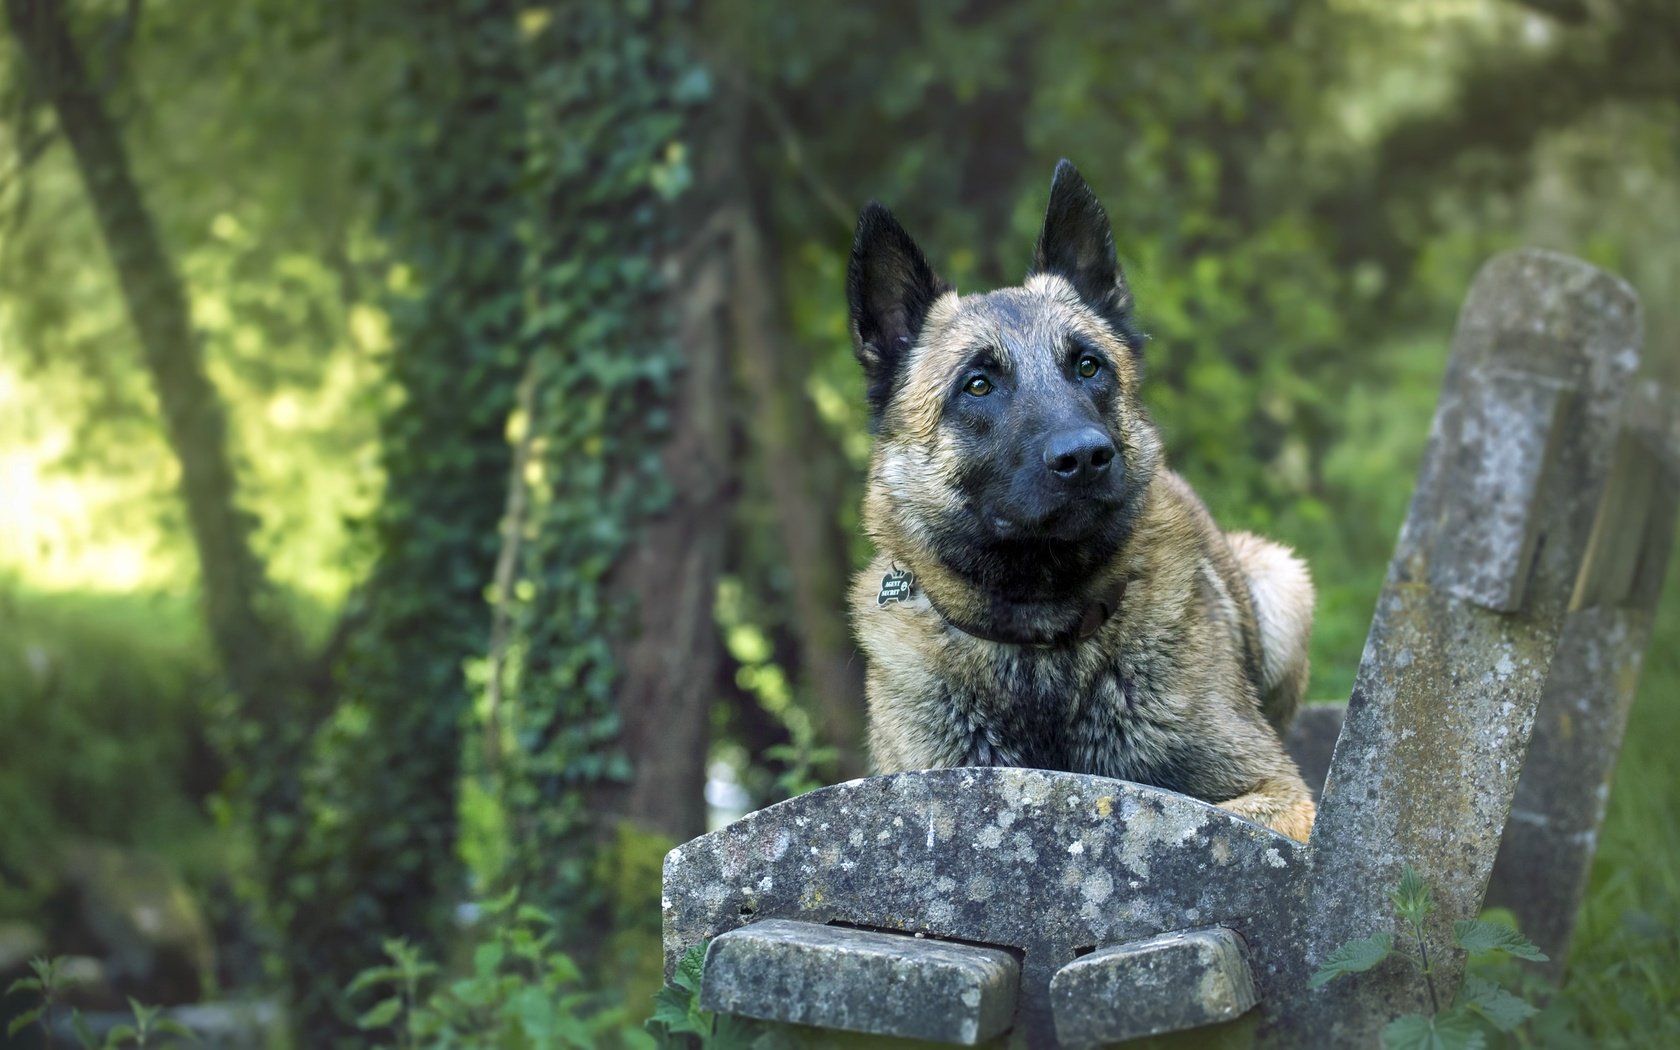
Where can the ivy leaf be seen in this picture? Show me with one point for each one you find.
(1413, 899)
(1479, 938)
(1502, 1009)
(1353, 957)
(382, 1014)
(1447, 1031)
(22, 1021)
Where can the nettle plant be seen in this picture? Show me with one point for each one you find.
(1480, 1001)
(51, 981)
(678, 1022)
(520, 993)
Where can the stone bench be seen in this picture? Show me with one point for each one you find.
(1057, 909)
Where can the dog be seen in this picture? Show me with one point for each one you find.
(1045, 592)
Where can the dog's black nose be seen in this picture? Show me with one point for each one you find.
(1078, 455)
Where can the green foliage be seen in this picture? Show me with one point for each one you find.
(519, 991)
(112, 747)
(49, 983)
(679, 1022)
(377, 857)
(1481, 1002)
(1479, 938)
(1494, 1004)
(1413, 899)
(1436, 1032)
(1356, 956)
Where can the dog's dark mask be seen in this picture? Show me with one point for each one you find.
(1020, 404)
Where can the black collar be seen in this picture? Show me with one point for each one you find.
(1098, 612)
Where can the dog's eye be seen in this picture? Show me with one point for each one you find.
(979, 386)
(1088, 366)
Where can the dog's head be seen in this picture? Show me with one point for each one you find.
(1010, 442)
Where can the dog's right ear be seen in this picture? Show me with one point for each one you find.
(890, 288)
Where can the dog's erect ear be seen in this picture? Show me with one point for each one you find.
(890, 288)
(1077, 244)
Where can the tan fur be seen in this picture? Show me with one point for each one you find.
(1282, 594)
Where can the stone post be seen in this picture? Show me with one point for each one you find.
(1498, 532)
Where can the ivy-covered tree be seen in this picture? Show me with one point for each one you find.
(607, 664)
(380, 858)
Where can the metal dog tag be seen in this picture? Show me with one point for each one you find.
(895, 586)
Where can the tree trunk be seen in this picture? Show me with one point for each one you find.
(257, 650)
(669, 662)
(793, 449)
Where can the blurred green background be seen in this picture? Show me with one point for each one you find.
(430, 443)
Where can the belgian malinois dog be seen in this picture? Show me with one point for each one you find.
(1046, 593)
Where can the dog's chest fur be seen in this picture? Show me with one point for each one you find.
(1126, 703)
(1085, 709)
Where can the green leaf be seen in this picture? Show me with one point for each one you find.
(1502, 1009)
(1446, 1031)
(371, 976)
(84, 1034)
(689, 969)
(22, 1021)
(562, 970)
(487, 958)
(1479, 938)
(1413, 899)
(498, 905)
(679, 1011)
(382, 1014)
(734, 1033)
(670, 1005)
(170, 1026)
(24, 984)
(1353, 957)
(532, 914)
(118, 1035)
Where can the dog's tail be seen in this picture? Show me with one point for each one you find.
(1281, 590)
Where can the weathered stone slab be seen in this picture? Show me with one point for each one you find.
(1546, 854)
(1438, 725)
(1166, 983)
(1312, 740)
(1508, 423)
(861, 981)
(1048, 864)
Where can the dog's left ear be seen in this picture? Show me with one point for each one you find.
(1077, 244)
(890, 288)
